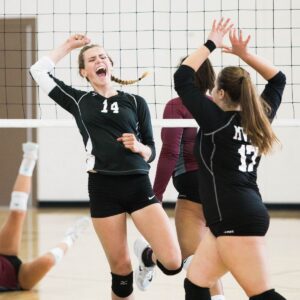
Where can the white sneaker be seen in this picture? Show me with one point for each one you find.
(143, 275)
(78, 228)
(30, 150)
(187, 262)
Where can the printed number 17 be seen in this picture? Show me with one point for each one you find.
(247, 151)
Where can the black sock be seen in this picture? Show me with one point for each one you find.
(268, 295)
(195, 292)
(147, 257)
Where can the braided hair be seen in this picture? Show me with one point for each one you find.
(113, 78)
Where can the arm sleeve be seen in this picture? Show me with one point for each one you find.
(273, 91)
(145, 126)
(62, 94)
(207, 114)
(171, 140)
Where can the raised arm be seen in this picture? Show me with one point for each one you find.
(62, 94)
(214, 40)
(73, 42)
(239, 47)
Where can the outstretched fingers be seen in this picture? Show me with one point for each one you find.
(238, 43)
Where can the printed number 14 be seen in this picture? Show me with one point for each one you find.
(114, 107)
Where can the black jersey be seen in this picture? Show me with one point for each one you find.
(101, 121)
(228, 161)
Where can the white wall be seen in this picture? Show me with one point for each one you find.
(176, 27)
(62, 177)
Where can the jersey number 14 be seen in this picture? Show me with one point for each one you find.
(114, 107)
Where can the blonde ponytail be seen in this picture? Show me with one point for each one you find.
(254, 118)
(127, 82)
(236, 82)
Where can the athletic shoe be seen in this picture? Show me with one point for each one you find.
(30, 150)
(186, 262)
(143, 275)
(78, 228)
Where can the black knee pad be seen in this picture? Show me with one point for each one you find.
(195, 292)
(268, 295)
(122, 285)
(169, 272)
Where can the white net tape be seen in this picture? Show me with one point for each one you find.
(33, 123)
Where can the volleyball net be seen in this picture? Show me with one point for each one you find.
(139, 36)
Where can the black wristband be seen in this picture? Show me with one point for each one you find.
(210, 45)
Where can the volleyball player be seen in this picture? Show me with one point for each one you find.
(14, 274)
(177, 160)
(117, 134)
(234, 132)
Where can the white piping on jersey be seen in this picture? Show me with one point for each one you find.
(89, 147)
(221, 128)
(133, 99)
(105, 171)
(213, 176)
(202, 158)
(137, 125)
(40, 71)
(211, 161)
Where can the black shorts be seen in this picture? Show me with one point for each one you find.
(186, 185)
(111, 195)
(255, 225)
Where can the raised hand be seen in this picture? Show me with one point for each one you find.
(239, 45)
(77, 41)
(218, 31)
(73, 42)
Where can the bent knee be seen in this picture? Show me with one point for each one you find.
(121, 267)
(170, 269)
(172, 261)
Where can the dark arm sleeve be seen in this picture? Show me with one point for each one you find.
(66, 96)
(145, 126)
(273, 91)
(207, 114)
(171, 140)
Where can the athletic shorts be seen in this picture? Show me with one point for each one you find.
(112, 195)
(186, 185)
(9, 272)
(256, 225)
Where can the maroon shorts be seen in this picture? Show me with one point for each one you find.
(9, 270)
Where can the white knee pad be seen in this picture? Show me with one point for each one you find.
(18, 201)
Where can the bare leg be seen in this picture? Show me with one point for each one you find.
(190, 227)
(154, 225)
(32, 272)
(240, 255)
(246, 255)
(112, 234)
(11, 232)
(207, 265)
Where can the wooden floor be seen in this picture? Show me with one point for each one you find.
(83, 274)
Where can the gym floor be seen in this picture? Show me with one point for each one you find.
(84, 273)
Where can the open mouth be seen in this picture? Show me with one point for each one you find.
(101, 71)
